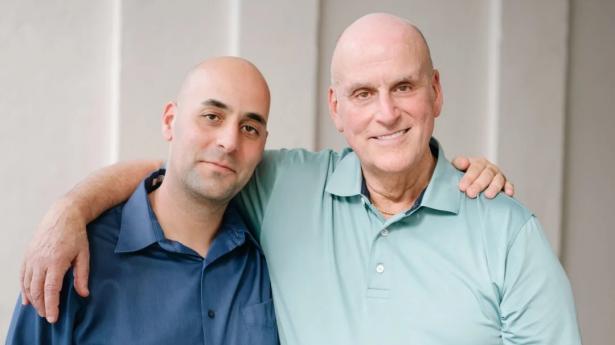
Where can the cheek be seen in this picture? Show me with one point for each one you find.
(355, 120)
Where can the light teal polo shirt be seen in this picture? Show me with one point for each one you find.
(452, 270)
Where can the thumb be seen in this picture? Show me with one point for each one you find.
(461, 163)
(82, 272)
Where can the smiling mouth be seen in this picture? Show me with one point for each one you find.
(393, 135)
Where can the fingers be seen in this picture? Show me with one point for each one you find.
(473, 172)
(36, 291)
(51, 298)
(495, 186)
(81, 273)
(461, 163)
(24, 279)
(509, 189)
(481, 182)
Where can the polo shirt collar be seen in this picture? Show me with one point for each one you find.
(442, 192)
(347, 178)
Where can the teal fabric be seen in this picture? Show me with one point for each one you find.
(452, 270)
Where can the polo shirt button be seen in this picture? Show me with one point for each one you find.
(380, 268)
(384, 232)
(211, 314)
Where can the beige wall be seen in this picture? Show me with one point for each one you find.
(589, 233)
(82, 84)
(54, 104)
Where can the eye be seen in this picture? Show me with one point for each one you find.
(211, 117)
(250, 130)
(362, 94)
(403, 87)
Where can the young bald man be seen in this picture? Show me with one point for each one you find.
(375, 244)
(176, 263)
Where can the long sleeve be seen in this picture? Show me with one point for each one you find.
(27, 328)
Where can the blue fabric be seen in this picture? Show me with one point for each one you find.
(145, 289)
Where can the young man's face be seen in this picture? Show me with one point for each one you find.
(218, 130)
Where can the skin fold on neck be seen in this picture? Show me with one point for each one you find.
(392, 193)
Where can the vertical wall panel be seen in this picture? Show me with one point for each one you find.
(531, 88)
(589, 233)
(160, 42)
(283, 44)
(54, 99)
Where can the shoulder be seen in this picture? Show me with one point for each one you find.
(106, 228)
(291, 157)
(500, 219)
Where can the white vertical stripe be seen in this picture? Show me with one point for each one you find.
(493, 82)
(234, 27)
(115, 70)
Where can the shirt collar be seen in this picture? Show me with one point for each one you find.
(442, 192)
(139, 226)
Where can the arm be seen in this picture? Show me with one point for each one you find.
(536, 304)
(61, 238)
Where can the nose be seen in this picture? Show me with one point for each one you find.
(227, 138)
(388, 113)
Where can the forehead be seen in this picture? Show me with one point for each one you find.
(381, 63)
(241, 93)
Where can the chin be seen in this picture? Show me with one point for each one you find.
(391, 165)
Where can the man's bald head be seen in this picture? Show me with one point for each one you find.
(233, 71)
(217, 129)
(375, 31)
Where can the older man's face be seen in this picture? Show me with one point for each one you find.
(384, 102)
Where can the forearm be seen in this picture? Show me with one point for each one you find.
(106, 187)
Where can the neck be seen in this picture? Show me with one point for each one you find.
(392, 193)
(194, 223)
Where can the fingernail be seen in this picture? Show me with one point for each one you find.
(51, 319)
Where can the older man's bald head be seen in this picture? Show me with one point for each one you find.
(375, 31)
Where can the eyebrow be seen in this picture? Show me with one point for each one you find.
(215, 103)
(363, 85)
(221, 105)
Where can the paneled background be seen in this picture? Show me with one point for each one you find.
(529, 84)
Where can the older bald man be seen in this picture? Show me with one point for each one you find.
(375, 244)
(174, 264)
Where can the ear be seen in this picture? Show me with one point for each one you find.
(333, 104)
(168, 120)
(437, 89)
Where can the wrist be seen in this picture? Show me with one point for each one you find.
(71, 209)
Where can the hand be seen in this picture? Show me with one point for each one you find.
(482, 175)
(60, 240)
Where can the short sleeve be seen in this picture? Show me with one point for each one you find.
(537, 305)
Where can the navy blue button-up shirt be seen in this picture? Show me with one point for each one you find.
(145, 289)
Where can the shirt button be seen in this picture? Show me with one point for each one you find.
(380, 268)
(211, 314)
(384, 232)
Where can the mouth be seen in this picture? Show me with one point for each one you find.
(220, 166)
(392, 136)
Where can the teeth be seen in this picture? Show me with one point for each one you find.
(392, 135)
